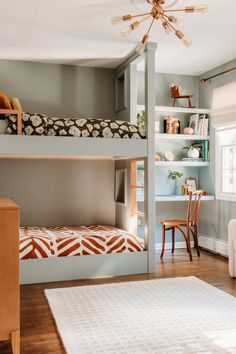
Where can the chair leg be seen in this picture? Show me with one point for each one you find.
(163, 240)
(196, 240)
(174, 102)
(189, 244)
(189, 102)
(173, 239)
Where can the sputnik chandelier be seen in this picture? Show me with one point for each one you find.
(158, 12)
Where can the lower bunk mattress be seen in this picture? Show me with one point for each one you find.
(46, 242)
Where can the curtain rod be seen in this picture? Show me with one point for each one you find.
(204, 80)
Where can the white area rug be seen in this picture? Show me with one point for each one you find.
(179, 316)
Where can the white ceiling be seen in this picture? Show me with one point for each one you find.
(80, 32)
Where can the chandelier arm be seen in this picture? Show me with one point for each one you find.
(170, 24)
(140, 15)
(144, 19)
(150, 27)
(176, 10)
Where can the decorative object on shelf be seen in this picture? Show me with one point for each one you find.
(193, 123)
(193, 152)
(171, 125)
(158, 157)
(157, 126)
(188, 131)
(184, 189)
(168, 155)
(191, 183)
(175, 176)
(141, 120)
(176, 94)
(157, 12)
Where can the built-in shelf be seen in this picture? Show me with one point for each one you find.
(176, 198)
(179, 198)
(181, 137)
(167, 109)
(182, 163)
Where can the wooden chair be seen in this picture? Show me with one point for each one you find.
(186, 227)
(175, 94)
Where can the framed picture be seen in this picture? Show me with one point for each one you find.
(193, 123)
(191, 184)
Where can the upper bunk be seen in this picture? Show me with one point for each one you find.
(134, 145)
(71, 148)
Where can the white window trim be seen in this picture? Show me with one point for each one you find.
(219, 166)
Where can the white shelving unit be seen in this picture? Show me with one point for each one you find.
(180, 198)
(176, 198)
(182, 163)
(165, 136)
(167, 109)
(175, 143)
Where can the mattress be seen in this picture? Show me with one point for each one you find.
(47, 242)
(39, 124)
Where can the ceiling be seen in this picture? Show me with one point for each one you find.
(80, 32)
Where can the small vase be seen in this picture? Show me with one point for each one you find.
(177, 188)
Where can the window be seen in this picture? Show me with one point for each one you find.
(224, 121)
(226, 164)
(229, 169)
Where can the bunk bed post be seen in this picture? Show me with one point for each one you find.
(149, 200)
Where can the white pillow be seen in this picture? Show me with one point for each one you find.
(3, 126)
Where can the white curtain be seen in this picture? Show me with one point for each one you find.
(224, 105)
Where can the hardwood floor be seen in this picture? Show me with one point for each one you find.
(38, 331)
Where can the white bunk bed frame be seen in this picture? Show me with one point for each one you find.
(123, 150)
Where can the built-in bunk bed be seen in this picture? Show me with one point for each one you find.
(61, 253)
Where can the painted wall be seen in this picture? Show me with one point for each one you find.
(52, 193)
(215, 216)
(60, 192)
(188, 84)
(59, 90)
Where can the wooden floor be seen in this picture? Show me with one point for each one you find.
(38, 331)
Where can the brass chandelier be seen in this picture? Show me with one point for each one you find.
(158, 12)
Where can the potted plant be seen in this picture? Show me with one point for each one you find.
(193, 151)
(175, 176)
(141, 120)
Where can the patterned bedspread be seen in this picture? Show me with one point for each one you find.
(42, 242)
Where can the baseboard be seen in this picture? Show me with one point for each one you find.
(168, 245)
(206, 242)
(214, 245)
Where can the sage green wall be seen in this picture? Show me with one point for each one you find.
(188, 84)
(55, 193)
(59, 90)
(215, 216)
(60, 192)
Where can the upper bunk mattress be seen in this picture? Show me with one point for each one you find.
(39, 124)
(46, 242)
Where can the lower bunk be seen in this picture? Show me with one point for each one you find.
(62, 253)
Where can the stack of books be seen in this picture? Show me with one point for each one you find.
(200, 124)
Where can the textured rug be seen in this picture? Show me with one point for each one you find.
(166, 316)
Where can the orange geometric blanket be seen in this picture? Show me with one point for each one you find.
(46, 242)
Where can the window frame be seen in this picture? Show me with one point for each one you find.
(220, 195)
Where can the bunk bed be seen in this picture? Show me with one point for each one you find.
(136, 256)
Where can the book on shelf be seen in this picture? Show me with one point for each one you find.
(205, 150)
(200, 124)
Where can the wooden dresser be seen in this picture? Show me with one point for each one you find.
(9, 274)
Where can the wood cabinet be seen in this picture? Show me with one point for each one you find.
(9, 274)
